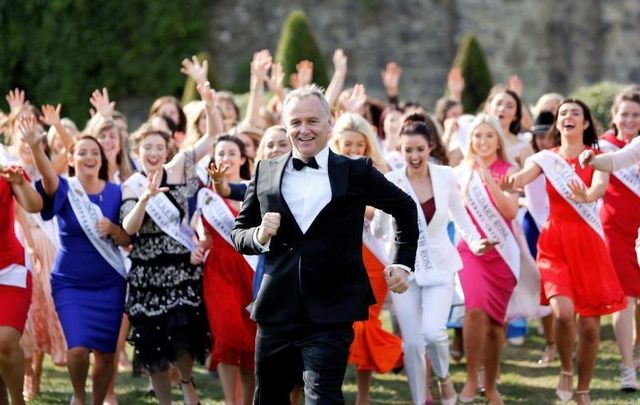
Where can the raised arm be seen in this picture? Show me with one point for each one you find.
(518, 180)
(391, 81)
(23, 191)
(51, 117)
(609, 162)
(455, 83)
(506, 201)
(132, 222)
(259, 75)
(339, 75)
(28, 127)
(101, 103)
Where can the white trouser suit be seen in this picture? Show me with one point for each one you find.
(422, 311)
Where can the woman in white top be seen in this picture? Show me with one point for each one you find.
(435, 191)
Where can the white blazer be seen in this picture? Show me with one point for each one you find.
(444, 256)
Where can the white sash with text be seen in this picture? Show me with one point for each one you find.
(629, 176)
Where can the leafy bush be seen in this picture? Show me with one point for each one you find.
(472, 63)
(599, 97)
(297, 43)
(61, 50)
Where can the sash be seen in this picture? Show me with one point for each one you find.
(629, 175)
(163, 212)
(50, 228)
(220, 217)
(88, 214)
(375, 245)
(559, 173)
(14, 275)
(423, 262)
(202, 169)
(538, 200)
(490, 221)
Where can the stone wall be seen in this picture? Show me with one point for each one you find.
(552, 44)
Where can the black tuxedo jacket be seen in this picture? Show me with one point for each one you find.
(319, 275)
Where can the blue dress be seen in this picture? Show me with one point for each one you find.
(88, 293)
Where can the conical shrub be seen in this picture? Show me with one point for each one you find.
(473, 65)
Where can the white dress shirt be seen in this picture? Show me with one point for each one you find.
(307, 191)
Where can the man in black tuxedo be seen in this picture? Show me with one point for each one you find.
(305, 212)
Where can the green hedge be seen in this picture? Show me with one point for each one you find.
(599, 97)
(61, 50)
(475, 70)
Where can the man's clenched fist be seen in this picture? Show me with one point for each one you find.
(269, 227)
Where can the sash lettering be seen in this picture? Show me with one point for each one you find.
(88, 215)
(220, 217)
(423, 262)
(163, 213)
(629, 175)
(559, 173)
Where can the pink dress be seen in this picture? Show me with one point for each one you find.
(486, 280)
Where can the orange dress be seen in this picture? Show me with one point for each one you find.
(373, 348)
(227, 289)
(573, 259)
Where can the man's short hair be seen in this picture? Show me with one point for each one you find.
(307, 91)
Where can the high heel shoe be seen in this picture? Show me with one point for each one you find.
(548, 355)
(565, 395)
(442, 385)
(187, 382)
(466, 400)
(480, 387)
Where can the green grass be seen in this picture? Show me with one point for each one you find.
(522, 381)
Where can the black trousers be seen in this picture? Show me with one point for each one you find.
(317, 352)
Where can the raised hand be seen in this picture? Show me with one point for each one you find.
(455, 83)
(153, 186)
(276, 80)
(15, 99)
(217, 173)
(483, 170)
(304, 74)
(391, 78)
(260, 65)
(397, 279)
(105, 227)
(13, 174)
(31, 134)
(269, 227)
(339, 61)
(194, 69)
(207, 94)
(50, 114)
(515, 84)
(507, 183)
(100, 102)
(578, 191)
(357, 99)
(586, 157)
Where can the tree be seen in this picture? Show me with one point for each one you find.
(297, 43)
(472, 63)
(599, 97)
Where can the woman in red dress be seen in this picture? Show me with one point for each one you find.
(15, 280)
(227, 285)
(576, 272)
(621, 219)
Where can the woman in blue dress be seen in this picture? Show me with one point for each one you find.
(88, 277)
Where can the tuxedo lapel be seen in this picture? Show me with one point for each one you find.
(338, 175)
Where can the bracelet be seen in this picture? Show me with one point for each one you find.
(218, 182)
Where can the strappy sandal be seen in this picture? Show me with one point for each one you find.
(583, 393)
(187, 382)
(565, 395)
(441, 387)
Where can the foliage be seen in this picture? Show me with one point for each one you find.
(61, 50)
(472, 63)
(297, 43)
(599, 97)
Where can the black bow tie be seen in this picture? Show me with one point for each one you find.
(300, 164)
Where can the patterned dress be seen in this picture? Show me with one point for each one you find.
(165, 304)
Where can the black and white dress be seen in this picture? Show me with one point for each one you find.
(165, 304)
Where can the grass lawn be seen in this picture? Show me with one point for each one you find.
(522, 381)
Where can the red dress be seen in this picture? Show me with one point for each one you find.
(574, 260)
(620, 218)
(227, 289)
(14, 301)
(373, 348)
